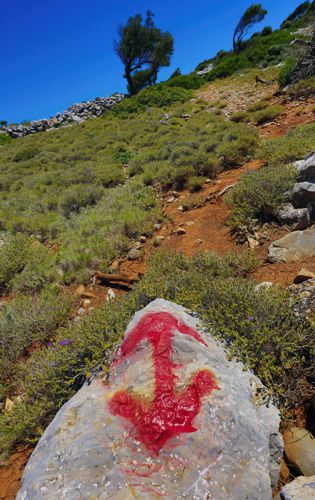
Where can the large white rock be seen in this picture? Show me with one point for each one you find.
(293, 246)
(175, 419)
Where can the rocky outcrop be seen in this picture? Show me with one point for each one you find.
(302, 488)
(293, 246)
(76, 113)
(306, 168)
(287, 214)
(174, 419)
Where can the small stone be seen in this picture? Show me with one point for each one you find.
(303, 275)
(198, 242)
(114, 266)
(143, 239)
(252, 243)
(190, 223)
(8, 406)
(134, 254)
(110, 295)
(157, 226)
(175, 193)
(171, 199)
(181, 231)
(86, 303)
(81, 291)
(158, 240)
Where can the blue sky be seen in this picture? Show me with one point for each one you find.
(57, 52)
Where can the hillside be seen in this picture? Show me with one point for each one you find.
(173, 193)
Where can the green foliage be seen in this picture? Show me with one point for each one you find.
(196, 183)
(28, 320)
(253, 15)
(26, 154)
(159, 96)
(260, 328)
(25, 265)
(191, 81)
(262, 50)
(5, 139)
(260, 191)
(143, 49)
(240, 116)
(304, 88)
(298, 12)
(286, 71)
(294, 146)
(267, 114)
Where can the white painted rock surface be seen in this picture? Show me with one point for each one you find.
(293, 246)
(174, 420)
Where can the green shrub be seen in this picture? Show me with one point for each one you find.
(267, 114)
(240, 116)
(258, 192)
(257, 106)
(261, 50)
(26, 154)
(28, 320)
(195, 183)
(25, 265)
(5, 139)
(260, 328)
(304, 88)
(286, 72)
(191, 81)
(159, 96)
(79, 196)
(294, 146)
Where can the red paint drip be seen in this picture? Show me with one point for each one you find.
(171, 413)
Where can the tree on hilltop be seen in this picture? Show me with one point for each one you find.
(143, 49)
(254, 14)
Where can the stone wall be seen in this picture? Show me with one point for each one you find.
(76, 113)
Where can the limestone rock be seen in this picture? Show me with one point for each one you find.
(287, 214)
(303, 275)
(306, 168)
(293, 246)
(299, 448)
(135, 254)
(77, 113)
(302, 488)
(303, 193)
(181, 231)
(174, 419)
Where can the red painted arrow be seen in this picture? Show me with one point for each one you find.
(171, 413)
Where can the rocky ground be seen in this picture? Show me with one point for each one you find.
(196, 222)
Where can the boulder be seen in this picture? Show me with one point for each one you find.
(293, 246)
(302, 488)
(299, 448)
(306, 168)
(303, 193)
(287, 214)
(173, 419)
(303, 275)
